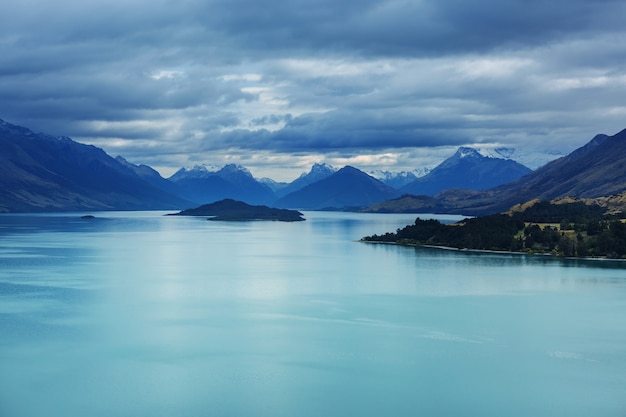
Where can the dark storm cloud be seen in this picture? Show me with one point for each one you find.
(343, 130)
(167, 77)
(409, 27)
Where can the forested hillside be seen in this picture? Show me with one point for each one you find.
(570, 229)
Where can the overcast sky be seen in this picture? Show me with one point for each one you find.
(278, 85)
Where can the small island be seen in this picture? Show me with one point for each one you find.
(233, 210)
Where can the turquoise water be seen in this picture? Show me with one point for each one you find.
(139, 314)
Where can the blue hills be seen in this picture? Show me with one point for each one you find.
(593, 171)
(204, 185)
(40, 172)
(348, 187)
(467, 169)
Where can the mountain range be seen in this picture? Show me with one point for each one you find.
(597, 169)
(348, 187)
(467, 169)
(398, 179)
(317, 173)
(40, 172)
(204, 185)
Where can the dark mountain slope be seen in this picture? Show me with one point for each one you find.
(318, 172)
(594, 170)
(348, 187)
(202, 185)
(467, 169)
(209, 189)
(150, 175)
(41, 172)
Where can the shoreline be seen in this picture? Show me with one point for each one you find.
(497, 252)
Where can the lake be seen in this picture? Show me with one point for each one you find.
(140, 314)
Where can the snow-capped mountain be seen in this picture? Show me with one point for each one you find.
(318, 172)
(348, 187)
(234, 169)
(196, 171)
(594, 170)
(41, 172)
(467, 169)
(501, 152)
(398, 179)
(206, 184)
(529, 158)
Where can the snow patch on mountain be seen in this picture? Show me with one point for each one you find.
(204, 171)
(319, 170)
(196, 171)
(397, 179)
(529, 158)
(234, 169)
(532, 159)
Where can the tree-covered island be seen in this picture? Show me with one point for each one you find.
(571, 229)
(233, 210)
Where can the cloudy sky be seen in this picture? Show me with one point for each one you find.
(278, 85)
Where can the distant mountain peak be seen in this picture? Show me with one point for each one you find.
(468, 169)
(42, 172)
(595, 169)
(195, 171)
(204, 183)
(398, 179)
(234, 169)
(10, 128)
(319, 169)
(386, 175)
(318, 172)
(463, 155)
(322, 166)
(203, 168)
(465, 151)
(348, 187)
(596, 141)
(500, 152)
(350, 169)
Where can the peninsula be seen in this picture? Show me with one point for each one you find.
(565, 227)
(233, 210)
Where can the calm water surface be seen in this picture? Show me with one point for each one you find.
(139, 314)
